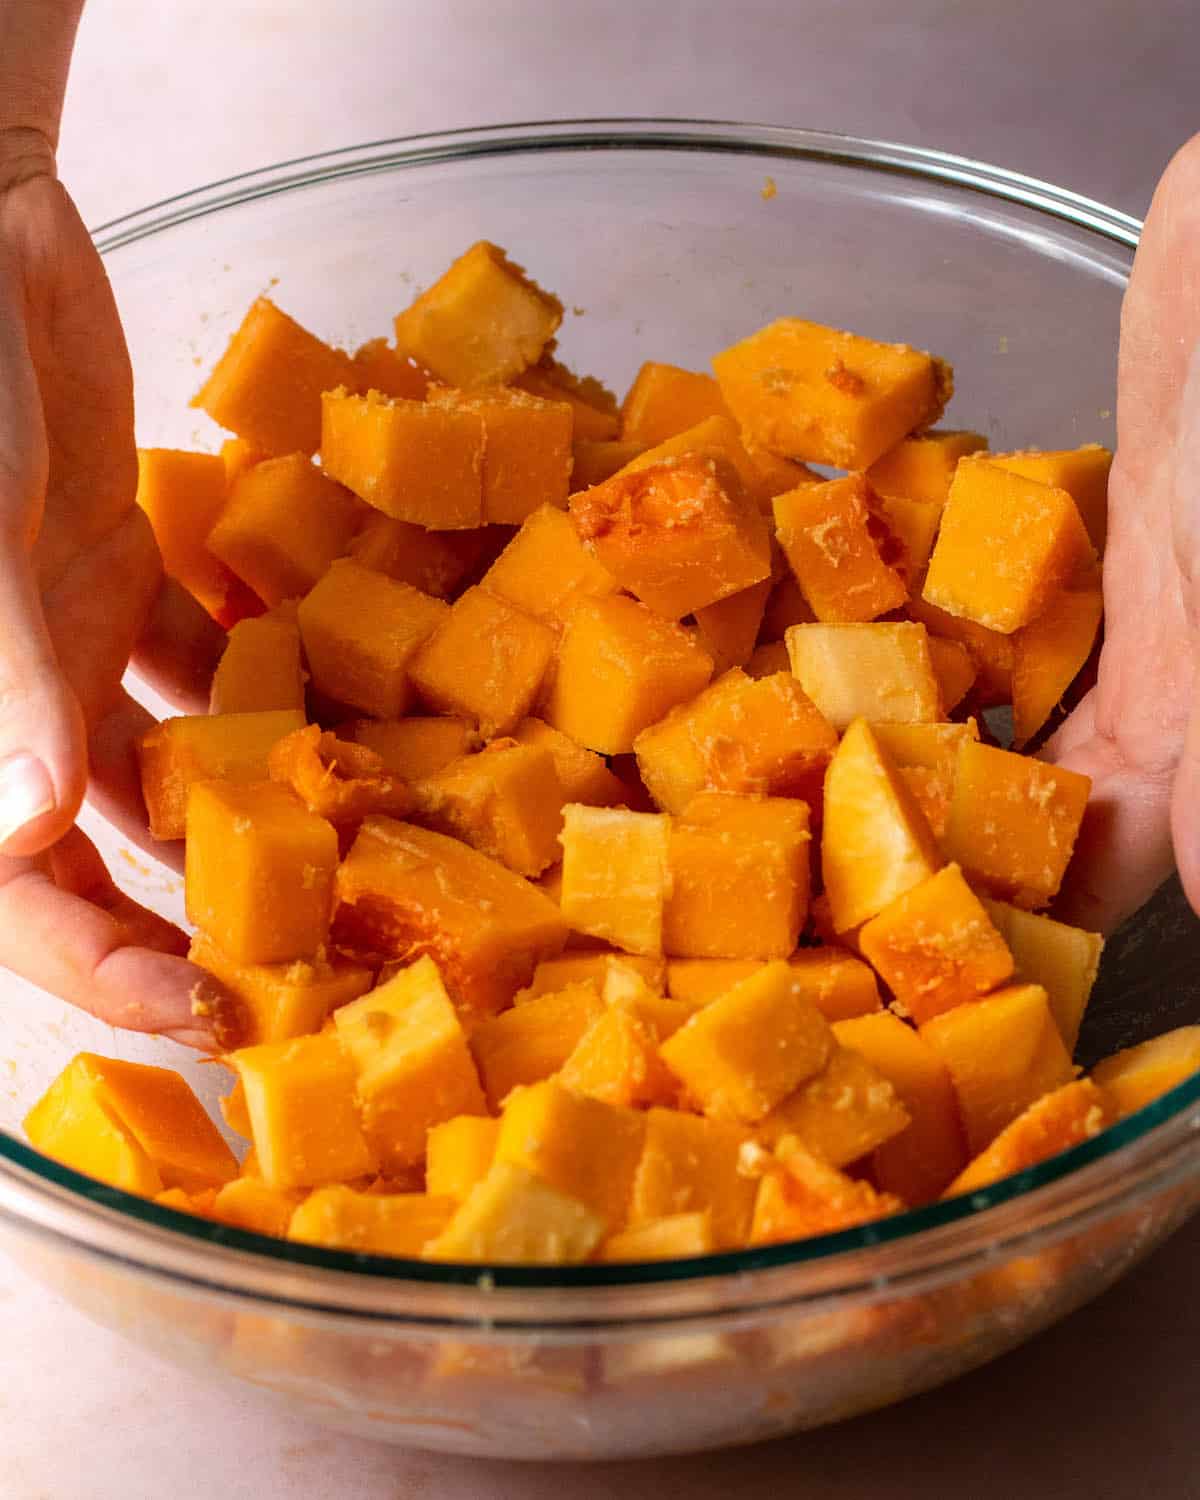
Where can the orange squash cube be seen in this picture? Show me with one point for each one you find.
(831, 545)
(1050, 652)
(621, 667)
(677, 535)
(786, 606)
(775, 474)
(802, 1195)
(284, 524)
(183, 495)
(533, 1040)
(409, 459)
(690, 1164)
(1136, 1076)
(836, 982)
(594, 462)
(545, 570)
(362, 632)
(955, 670)
(763, 737)
(583, 775)
(593, 405)
(284, 1000)
(738, 878)
(918, 1162)
(260, 668)
(626, 988)
(847, 1111)
(580, 1146)
(1005, 546)
(404, 891)
(506, 802)
(1003, 1052)
(411, 1063)
(1082, 472)
(616, 875)
(248, 1203)
(482, 322)
(526, 449)
(412, 748)
(816, 393)
(458, 1154)
(336, 779)
(399, 1224)
(237, 455)
(922, 467)
(435, 562)
(379, 366)
(177, 753)
(303, 1115)
(1063, 960)
(664, 400)
(992, 652)
(716, 439)
(729, 627)
(512, 1217)
(132, 1125)
(875, 844)
(555, 974)
(1013, 822)
(673, 1237)
(616, 1060)
(260, 868)
(880, 671)
(485, 661)
(744, 1053)
(935, 947)
(267, 385)
(1056, 1122)
(926, 756)
(911, 528)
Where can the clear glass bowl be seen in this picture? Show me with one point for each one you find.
(659, 238)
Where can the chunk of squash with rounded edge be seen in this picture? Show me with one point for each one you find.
(1140, 1074)
(1057, 1121)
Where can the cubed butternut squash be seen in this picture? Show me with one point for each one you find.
(882, 672)
(800, 1195)
(400, 1224)
(435, 562)
(526, 449)
(673, 1237)
(336, 779)
(1063, 960)
(260, 668)
(1138, 1075)
(616, 875)
(1082, 472)
(1050, 652)
(847, 1111)
(616, 1061)
(533, 1040)
(415, 747)
(729, 627)
(690, 1164)
(582, 774)
(592, 968)
(380, 366)
(1057, 1121)
(593, 405)
(545, 570)
(249, 1203)
(922, 467)
(955, 669)
(664, 400)
(459, 1153)
(512, 1217)
(992, 652)
(832, 541)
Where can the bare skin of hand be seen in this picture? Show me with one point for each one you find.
(1137, 733)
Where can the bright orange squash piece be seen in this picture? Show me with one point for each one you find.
(260, 668)
(616, 875)
(992, 652)
(1082, 472)
(533, 1040)
(412, 748)
(955, 670)
(459, 1153)
(526, 449)
(594, 462)
(880, 671)
(1063, 960)
(673, 1237)
(399, 1224)
(691, 1164)
(616, 1060)
(545, 570)
(729, 627)
(582, 774)
(380, 366)
(664, 400)
(593, 406)
(801, 1195)
(1136, 1076)
(1049, 653)
(514, 1217)
(922, 467)
(1057, 1121)
(847, 1111)
(336, 779)
(829, 536)
(435, 562)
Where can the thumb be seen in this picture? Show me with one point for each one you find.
(43, 755)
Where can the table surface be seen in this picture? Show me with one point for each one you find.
(1094, 94)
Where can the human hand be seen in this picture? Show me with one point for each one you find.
(1137, 733)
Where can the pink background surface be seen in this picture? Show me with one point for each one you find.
(1094, 94)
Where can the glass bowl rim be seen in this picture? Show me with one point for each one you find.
(40, 1195)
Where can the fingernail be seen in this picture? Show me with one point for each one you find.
(26, 793)
(223, 1014)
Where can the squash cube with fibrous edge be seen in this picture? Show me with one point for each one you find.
(336, 779)
(745, 1052)
(716, 439)
(926, 755)
(545, 570)
(284, 1000)
(910, 530)
(409, 459)
(403, 891)
(485, 661)
(1082, 472)
(458, 1154)
(435, 562)
(616, 875)
(594, 462)
(1057, 1121)
(582, 774)
(838, 984)
(1013, 821)
(177, 753)
(876, 843)
(935, 946)
(512, 1217)
(691, 1164)
(800, 1195)
(526, 449)
(361, 634)
(738, 874)
(620, 668)
(304, 1118)
(260, 868)
(1137, 1075)
(881, 672)
(411, 1062)
(762, 737)
(1050, 652)
(482, 322)
(593, 406)
(414, 747)
(533, 1040)
(616, 1060)
(267, 385)
(921, 467)
(1006, 544)
(917, 1163)
(592, 968)
(581, 1146)
(832, 542)
(506, 801)
(955, 670)
(1063, 960)
(728, 628)
(380, 366)
(339, 1218)
(1003, 1053)
(677, 535)
(260, 668)
(664, 400)
(846, 1111)
(828, 397)
(283, 525)
(991, 651)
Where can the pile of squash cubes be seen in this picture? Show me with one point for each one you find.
(596, 815)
